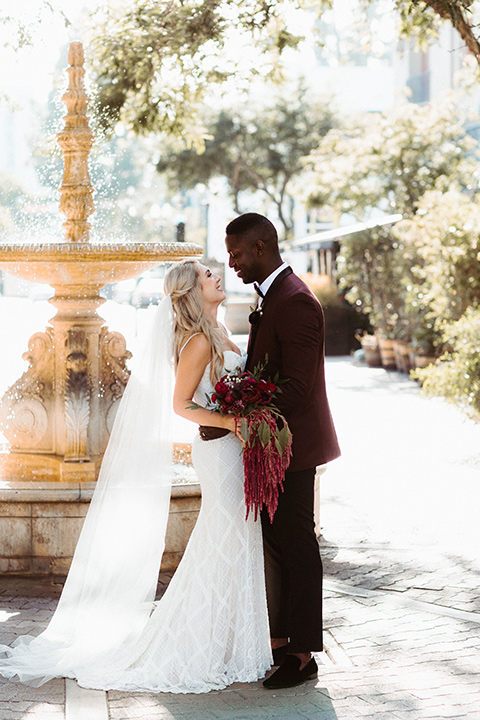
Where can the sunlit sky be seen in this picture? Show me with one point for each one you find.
(30, 72)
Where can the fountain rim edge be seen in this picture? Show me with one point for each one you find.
(97, 251)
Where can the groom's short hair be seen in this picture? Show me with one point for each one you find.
(250, 221)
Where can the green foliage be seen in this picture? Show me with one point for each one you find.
(370, 273)
(458, 12)
(456, 375)
(389, 160)
(22, 26)
(420, 20)
(154, 62)
(256, 149)
(442, 242)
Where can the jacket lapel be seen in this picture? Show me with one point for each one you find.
(256, 316)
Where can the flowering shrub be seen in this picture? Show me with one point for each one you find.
(456, 375)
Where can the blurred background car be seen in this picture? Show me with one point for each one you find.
(148, 291)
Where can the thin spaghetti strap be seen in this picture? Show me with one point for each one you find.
(186, 343)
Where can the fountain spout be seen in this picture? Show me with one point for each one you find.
(76, 140)
(57, 417)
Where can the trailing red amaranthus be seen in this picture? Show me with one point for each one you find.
(266, 455)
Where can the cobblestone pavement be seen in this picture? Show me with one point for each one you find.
(400, 542)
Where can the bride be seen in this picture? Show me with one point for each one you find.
(210, 628)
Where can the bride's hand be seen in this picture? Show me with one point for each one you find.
(232, 423)
(229, 422)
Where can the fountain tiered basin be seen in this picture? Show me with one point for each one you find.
(86, 263)
(58, 415)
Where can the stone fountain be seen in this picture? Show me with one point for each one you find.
(57, 417)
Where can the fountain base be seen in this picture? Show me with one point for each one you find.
(21, 467)
(44, 500)
(40, 523)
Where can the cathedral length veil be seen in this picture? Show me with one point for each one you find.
(111, 584)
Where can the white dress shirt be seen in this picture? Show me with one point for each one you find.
(266, 284)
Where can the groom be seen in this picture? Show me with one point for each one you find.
(288, 328)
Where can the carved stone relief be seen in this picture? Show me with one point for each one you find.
(77, 407)
(27, 404)
(115, 374)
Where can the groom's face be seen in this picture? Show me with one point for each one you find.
(244, 256)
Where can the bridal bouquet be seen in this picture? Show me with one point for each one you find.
(266, 437)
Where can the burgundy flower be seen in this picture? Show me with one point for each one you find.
(221, 388)
(251, 393)
(229, 397)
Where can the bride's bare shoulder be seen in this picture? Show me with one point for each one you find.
(196, 345)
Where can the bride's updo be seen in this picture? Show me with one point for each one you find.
(182, 283)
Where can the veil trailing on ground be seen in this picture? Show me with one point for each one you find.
(111, 585)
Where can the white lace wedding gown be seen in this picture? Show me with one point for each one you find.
(210, 628)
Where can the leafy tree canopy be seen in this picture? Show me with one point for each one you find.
(389, 160)
(443, 241)
(256, 149)
(154, 62)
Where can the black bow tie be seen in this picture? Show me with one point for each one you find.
(257, 290)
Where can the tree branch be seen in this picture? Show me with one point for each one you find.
(456, 15)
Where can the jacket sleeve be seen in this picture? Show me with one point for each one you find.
(300, 331)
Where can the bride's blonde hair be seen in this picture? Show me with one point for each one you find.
(182, 283)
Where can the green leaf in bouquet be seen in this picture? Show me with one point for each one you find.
(283, 437)
(264, 433)
(244, 430)
(259, 368)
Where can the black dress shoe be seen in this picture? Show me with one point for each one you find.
(289, 673)
(279, 654)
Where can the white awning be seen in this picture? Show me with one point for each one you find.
(324, 240)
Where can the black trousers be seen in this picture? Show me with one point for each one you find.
(293, 567)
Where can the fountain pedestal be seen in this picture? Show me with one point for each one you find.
(58, 416)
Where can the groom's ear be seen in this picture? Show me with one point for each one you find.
(259, 248)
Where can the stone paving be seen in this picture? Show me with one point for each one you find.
(400, 542)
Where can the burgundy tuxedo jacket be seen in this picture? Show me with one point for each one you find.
(291, 332)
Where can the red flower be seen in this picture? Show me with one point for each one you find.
(250, 393)
(229, 397)
(221, 388)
